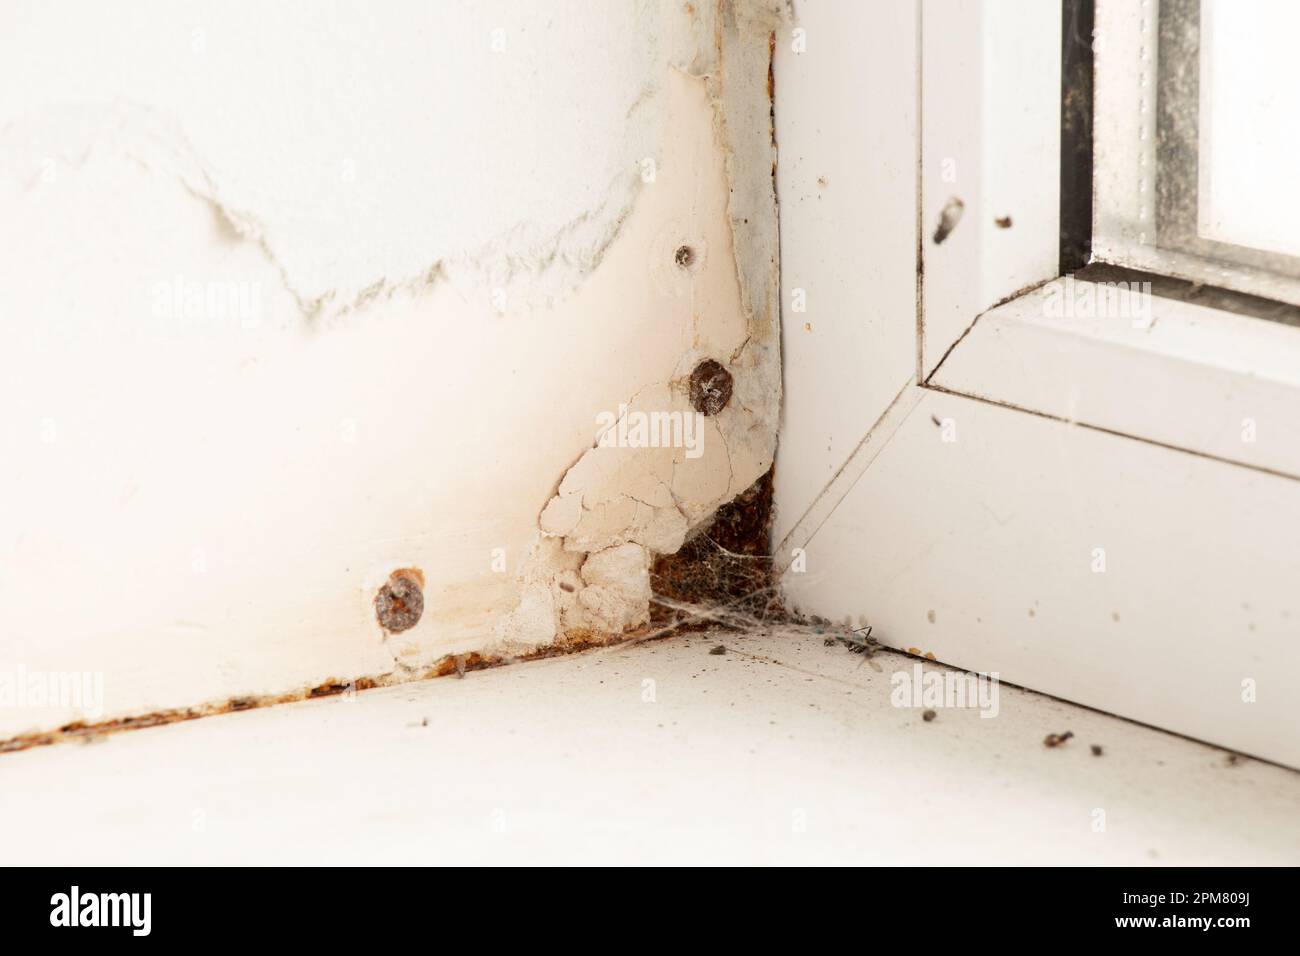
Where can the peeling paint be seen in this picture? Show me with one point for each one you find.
(326, 442)
(622, 507)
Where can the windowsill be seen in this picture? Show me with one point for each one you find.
(782, 750)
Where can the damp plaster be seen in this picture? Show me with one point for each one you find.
(306, 302)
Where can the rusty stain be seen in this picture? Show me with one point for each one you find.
(710, 387)
(771, 75)
(400, 602)
(571, 642)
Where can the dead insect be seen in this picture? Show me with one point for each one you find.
(928, 715)
(856, 645)
(866, 645)
(1055, 740)
(949, 216)
(1002, 222)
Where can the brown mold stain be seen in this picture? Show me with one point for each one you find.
(571, 642)
(727, 562)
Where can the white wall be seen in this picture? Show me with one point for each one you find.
(297, 296)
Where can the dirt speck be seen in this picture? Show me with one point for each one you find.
(1055, 740)
(928, 715)
(929, 616)
(1002, 222)
(720, 649)
(1096, 750)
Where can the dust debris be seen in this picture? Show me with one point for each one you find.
(1055, 740)
(1002, 222)
(1096, 750)
(723, 573)
(720, 649)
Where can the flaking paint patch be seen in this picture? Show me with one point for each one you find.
(620, 507)
(723, 309)
(344, 219)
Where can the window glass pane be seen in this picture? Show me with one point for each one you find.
(1196, 137)
(1250, 124)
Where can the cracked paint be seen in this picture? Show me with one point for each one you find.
(620, 507)
(230, 492)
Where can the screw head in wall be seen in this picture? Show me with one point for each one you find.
(400, 602)
(710, 387)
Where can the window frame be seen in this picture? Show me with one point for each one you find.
(1222, 391)
(965, 529)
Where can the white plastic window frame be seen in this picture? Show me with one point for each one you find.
(996, 320)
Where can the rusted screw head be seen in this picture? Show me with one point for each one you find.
(400, 602)
(710, 387)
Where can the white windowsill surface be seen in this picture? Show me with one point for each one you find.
(782, 750)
